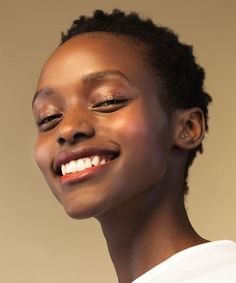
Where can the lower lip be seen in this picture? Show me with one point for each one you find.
(80, 176)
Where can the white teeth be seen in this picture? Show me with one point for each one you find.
(67, 167)
(80, 165)
(87, 162)
(63, 169)
(73, 166)
(95, 160)
(103, 160)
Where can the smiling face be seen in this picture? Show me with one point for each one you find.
(103, 137)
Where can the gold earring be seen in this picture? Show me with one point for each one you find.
(184, 135)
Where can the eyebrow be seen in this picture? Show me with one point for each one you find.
(86, 80)
(103, 75)
(45, 91)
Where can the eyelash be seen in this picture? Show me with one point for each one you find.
(47, 119)
(110, 102)
(109, 105)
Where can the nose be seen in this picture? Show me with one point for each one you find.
(72, 131)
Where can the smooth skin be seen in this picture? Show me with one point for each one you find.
(97, 94)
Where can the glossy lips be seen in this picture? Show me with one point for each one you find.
(76, 166)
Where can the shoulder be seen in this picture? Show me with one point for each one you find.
(210, 262)
(213, 262)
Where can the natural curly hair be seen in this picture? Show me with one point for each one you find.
(174, 63)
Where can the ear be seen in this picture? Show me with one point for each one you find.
(190, 128)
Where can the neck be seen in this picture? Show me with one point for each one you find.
(146, 231)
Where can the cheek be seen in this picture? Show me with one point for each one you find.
(144, 139)
(42, 154)
(127, 128)
(138, 131)
(130, 123)
(144, 153)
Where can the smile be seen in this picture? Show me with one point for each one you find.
(81, 164)
(75, 167)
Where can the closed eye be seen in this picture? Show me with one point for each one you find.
(110, 105)
(48, 122)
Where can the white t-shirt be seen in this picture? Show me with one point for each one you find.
(213, 262)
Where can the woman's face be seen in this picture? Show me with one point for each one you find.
(103, 138)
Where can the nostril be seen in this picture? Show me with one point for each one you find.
(60, 140)
(73, 139)
(77, 136)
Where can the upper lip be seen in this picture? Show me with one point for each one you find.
(67, 156)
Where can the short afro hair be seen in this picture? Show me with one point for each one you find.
(181, 77)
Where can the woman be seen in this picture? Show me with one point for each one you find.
(121, 113)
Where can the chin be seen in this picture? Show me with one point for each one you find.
(82, 209)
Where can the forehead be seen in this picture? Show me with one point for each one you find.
(96, 52)
(102, 42)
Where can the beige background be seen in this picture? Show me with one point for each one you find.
(38, 242)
